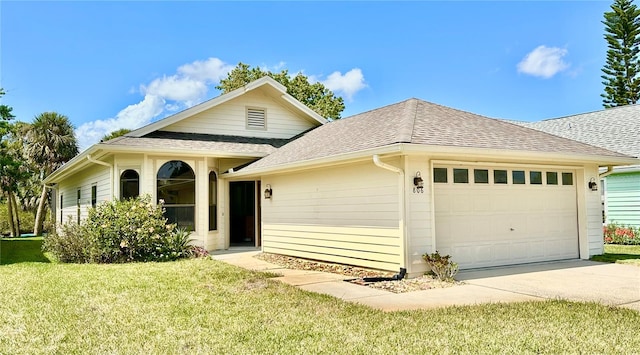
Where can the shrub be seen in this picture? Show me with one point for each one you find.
(68, 246)
(122, 231)
(614, 233)
(441, 266)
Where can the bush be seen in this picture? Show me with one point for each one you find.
(123, 231)
(441, 266)
(70, 245)
(614, 233)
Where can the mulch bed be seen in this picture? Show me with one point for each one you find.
(425, 282)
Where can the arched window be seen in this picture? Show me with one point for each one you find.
(129, 184)
(177, 188)
(213, 197)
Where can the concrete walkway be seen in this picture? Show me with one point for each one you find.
(575, 280)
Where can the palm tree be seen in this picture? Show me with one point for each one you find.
(49, 143)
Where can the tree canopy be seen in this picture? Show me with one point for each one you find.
(49, 142)
(314, 95)
(115, 134)
(622, 33)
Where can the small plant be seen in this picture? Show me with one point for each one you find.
(614, 233)
(441, 266)
(70, 245)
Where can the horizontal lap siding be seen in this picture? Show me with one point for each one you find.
(623, 199)
(98, 176)
(370, 247)
(230, 119)
(346, 214)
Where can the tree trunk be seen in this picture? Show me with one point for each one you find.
(12, 227)
(16, 213)
(37, 227)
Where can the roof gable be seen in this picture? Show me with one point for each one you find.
(266, 85)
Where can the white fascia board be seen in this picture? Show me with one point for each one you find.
(185, 152)
(72, 164)
(206, 105)
(467, 153)
(306, 110)
(366, 154)
(442, 152)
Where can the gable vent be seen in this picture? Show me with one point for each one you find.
(256, 118)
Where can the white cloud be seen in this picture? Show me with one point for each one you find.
(176, 88)
(164, 95)
(348, 84)
(544, 62)
(132, 117)
(210, 70)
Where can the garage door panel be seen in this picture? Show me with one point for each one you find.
(502, 224)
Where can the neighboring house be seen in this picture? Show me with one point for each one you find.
(377, 189)
(616, 129)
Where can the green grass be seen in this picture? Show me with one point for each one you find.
(203, 306)
(622, 254)
(19, 250)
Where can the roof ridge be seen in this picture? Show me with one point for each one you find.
(590, 112)
(408, 120)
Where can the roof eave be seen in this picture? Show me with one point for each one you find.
(468, 153)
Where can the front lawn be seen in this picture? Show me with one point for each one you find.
(622, 254)
(17, 250)
(208, 307)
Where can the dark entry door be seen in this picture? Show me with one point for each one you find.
(243, 213)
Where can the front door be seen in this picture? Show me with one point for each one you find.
(242, 195)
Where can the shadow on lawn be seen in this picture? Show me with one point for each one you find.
(612, 258)
(21, 250)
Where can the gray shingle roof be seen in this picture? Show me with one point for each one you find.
(616, 129)
(419, 122)
(199, 142)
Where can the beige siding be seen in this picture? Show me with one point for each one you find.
(593, 208)
(229, 118)
(419, 215)
(347, 214)
(370, 247)
(95, 175)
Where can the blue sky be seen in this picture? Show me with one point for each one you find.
(108, 65)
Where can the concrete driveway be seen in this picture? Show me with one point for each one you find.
(574, 280)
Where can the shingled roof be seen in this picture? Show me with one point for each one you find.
(419, 122)
(200, 142)
(615, 129)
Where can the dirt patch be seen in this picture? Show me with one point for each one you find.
(425, 282)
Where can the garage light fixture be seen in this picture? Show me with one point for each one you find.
(593, 185)
(268, 192)
(418, 183)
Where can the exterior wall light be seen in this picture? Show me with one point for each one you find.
(268, 192)
(593, 185)
(418, 183)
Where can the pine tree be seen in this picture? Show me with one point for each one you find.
(622, 33)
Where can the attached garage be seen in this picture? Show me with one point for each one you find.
(496, 215)
(382, 188)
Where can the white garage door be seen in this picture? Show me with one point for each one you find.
(490, 216)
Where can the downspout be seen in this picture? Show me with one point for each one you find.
(606, 173)
(99, 162)
(402, 224)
